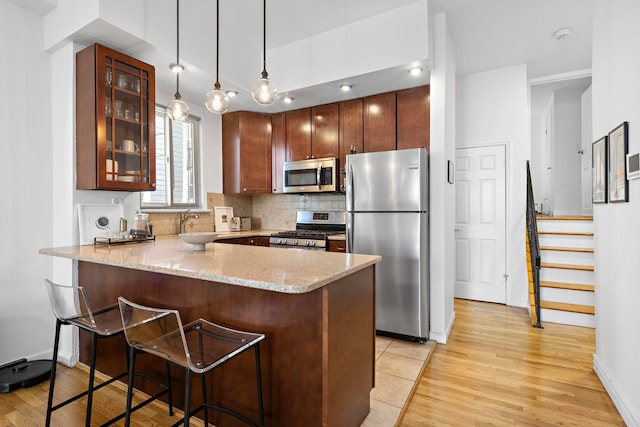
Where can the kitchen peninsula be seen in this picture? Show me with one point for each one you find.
(316, 309)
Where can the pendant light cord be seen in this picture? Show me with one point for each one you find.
(217, 84)
(178, 48)
(264, 39)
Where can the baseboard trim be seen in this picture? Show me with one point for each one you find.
(628, 414)
(441, 338)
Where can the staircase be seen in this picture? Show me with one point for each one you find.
(566, 274)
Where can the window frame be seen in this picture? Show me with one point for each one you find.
(169, 204)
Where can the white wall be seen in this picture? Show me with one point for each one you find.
(617, 226)
(567, 189)
(492, 107)
(441, 193)
(26, 324)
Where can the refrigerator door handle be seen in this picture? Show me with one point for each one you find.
(350, 234)
(352, 189)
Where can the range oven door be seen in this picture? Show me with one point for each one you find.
(310, 176)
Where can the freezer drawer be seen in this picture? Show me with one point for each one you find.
(402, 300)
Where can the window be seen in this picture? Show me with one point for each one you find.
(177, 151)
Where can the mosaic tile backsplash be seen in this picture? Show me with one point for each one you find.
(268, 211)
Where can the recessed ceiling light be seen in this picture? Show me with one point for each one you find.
(562, 33)
(415, 71)
(345, 87)
(231, 93)
(176, 68)
(288, 100)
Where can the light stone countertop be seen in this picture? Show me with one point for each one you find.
(282, 270)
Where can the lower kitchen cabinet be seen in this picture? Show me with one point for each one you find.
(246, 153)
(337, 246)
(251, 241)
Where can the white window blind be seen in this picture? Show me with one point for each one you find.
(177, 152)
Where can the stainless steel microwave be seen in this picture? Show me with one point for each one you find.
(311, 176)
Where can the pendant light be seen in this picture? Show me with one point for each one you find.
(263, 91)
(177, 109)
(217, 101)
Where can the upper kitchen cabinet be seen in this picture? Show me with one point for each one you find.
(312, 133)
(413, 118)
(351, 139)
(298, 133)
(278, 151)
(325, 121)
(380, 122)
(246, 153)
(115, 121)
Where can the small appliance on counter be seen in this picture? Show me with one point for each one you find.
(240, 223)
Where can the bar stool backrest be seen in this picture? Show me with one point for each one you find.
(154, 330)
(69, 303)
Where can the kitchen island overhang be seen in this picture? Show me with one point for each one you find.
(315, 308)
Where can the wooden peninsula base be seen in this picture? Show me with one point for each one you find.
(317, 358)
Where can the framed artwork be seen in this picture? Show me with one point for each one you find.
(599, 170)
(617, 157)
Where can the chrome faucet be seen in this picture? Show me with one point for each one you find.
(186, 216)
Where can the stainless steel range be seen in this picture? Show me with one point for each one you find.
(312, 230)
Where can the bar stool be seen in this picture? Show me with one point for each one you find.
(198, 347)
(71, 307)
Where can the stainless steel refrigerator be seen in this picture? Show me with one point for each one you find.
(387, 215)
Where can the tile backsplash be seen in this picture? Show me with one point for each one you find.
(278, 211)
(268, 211)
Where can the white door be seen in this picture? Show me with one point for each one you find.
(480, 224)
(585, 150)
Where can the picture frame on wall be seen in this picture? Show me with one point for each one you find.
(617, 160)
(599, 170)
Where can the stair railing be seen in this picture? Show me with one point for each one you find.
(533, 252)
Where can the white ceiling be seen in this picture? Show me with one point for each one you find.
(488, 34)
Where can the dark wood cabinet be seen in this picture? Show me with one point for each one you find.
(313, 132)
(337, 246)
(278, 151)
(350, 132)
(115, 121)
(413, 118)
(298, 134)
(251, 241)
(246, 153)
(325, 131)
(380, 122)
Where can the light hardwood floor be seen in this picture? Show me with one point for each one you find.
(497, 370)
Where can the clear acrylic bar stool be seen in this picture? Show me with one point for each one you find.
(198, 347)
(71, 307)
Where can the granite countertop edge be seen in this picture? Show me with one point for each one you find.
(300, 284)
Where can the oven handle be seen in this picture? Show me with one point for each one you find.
(318, 176)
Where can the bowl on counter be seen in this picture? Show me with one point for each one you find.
(198, 239)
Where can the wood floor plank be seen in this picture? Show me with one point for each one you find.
(498, 370)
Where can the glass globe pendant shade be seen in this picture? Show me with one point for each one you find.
(264, 92)
(217, 101)
(178, 109)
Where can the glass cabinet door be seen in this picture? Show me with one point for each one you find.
(127, 123)
(123, 140)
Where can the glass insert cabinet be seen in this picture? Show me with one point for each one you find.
(115, 121)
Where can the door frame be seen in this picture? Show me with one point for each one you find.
(507, 202)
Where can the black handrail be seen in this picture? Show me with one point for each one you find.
(534, 245)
